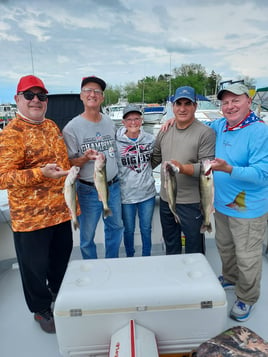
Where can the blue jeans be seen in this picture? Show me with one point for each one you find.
(191, 221)
(145, 212)
(91, 210)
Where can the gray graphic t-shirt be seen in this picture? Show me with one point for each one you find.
(81, 134)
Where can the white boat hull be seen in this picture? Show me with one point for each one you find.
(152, 118)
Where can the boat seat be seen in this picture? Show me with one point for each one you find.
(236, 341)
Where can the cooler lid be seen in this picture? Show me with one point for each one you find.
(183, 281)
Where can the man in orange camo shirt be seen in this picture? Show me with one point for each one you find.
(33, 166)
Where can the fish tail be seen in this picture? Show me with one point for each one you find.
(206, 228)
(177, 218)
(76, 224)
(107, 212)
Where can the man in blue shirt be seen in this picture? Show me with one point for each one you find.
(241, 196)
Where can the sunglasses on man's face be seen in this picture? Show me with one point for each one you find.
(29, 95)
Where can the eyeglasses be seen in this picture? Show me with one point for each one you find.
(129, 120)
(29, 95)
(91, 90)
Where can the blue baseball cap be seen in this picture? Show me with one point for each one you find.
(185, 92)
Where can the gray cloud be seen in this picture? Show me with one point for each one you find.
(125, 40)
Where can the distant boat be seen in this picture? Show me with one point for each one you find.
(115, 111)
(206, 110)
(153, 113)
(168, 112)
(7, 112)
(260, 103)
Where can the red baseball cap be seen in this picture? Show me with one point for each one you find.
(28, 82)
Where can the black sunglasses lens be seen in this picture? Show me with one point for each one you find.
(42, 96)
(30, 96)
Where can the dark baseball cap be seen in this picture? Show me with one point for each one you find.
(130, 109)
(93, 79)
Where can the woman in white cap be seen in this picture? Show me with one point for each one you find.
(135, 147)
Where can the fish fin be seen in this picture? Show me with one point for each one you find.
(107, 212)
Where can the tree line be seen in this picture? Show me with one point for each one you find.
(159, 89)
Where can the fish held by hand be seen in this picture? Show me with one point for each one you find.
(207, 195)
(171, 186)
(70, 194)
(100, 181)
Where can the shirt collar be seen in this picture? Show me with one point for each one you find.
(250, 118)
(28, 120)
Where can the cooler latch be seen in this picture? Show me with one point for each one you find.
(75, 312)
(206, 304)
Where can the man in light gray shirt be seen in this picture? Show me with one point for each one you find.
(86, 135)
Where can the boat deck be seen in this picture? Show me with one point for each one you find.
(22, 336)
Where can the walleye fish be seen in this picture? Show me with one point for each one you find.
(100, 181)
(207, 195)
(70, 193)
(171, 187)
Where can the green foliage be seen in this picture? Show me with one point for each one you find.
(157, 90)
(112, 95)
(213, 83)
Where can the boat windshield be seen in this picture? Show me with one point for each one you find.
(206, 105)
(116, 109)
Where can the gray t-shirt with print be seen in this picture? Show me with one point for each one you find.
(81, 134)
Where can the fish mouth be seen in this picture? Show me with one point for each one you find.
(208, 171)
(207, 168)
(169, 167)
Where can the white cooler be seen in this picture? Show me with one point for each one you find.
(177, 297)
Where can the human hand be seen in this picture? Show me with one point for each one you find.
(91, 154)
(221, 165)
(53, 171)
(186, 169)
(177, 164)
(167, 124)
(88, 155)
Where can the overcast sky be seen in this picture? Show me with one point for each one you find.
(123, 41)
